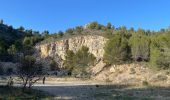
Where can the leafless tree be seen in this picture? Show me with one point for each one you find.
(29, 71)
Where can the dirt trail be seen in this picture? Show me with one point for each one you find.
(86, 90)
(77, 90)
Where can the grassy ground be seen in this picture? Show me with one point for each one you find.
(14, 93)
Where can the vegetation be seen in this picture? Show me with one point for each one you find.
(77, 62)
(14, 93)
(140, 46)
(160, 50)
(29, 71)
(116, 50)
(145, 83)
(12, 41)
(124, 45)
(53, 65)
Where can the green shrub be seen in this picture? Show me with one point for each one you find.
(140, 46)
(77, 62)
(145, 83)
(116, 50)
(160, 49)
(167, 73)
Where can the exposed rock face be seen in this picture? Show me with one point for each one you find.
(58, 48)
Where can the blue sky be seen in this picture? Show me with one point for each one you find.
(55, 15)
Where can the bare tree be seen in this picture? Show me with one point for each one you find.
(29, 71)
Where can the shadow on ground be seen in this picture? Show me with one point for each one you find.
(106, 92)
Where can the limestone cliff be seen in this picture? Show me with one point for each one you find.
(58, 48)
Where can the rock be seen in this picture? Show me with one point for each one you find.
(57, 49)
(112, 70)
(98, 68)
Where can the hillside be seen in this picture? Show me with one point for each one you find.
(94, 46)
(139, 73)
(13, 41)
(9, 36)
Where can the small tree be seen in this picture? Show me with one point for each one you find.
(140, 46)
(46, 34)
(60, 34)
(83, 58)
(29, 71)
(109, 26)
(116, 50)
(160, 51)
(94, 25)
(12, 50)
(21, 28)
(77, 62)
(70, 60)
(79, 29)
(70, 31)
(27, 41)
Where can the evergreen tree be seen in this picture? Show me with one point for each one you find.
(160, 51)
(140, 46)
(109, 25)
(116, 50)
(12, 50)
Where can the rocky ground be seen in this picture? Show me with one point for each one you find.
(130, 74)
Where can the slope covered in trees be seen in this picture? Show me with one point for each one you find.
(124, 45)
(13, 41)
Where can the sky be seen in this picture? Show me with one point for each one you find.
(56, 15)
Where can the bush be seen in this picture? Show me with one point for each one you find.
(94, 25)
(145, 83)
(70, 31)
(167, 73)
(140, 46)
(160, 49)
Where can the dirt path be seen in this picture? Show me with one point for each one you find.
(75, 90)
(94, 90)
(70, 90)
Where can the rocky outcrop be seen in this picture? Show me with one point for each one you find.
(58, 48)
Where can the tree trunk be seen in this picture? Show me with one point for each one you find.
(25, 84)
